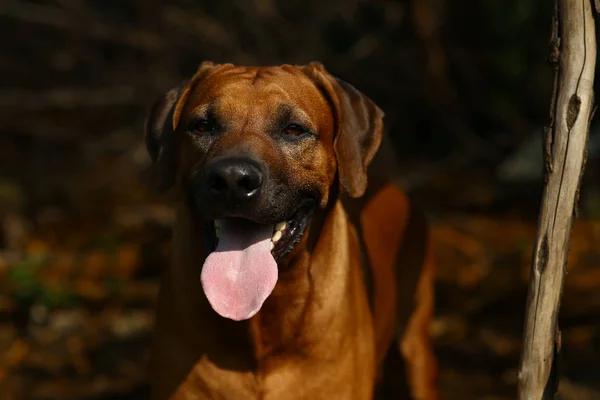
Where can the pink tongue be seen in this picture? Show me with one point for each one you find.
(241, 273)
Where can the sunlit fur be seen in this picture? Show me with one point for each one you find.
(316, 336)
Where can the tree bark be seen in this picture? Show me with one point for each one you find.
(574, 56)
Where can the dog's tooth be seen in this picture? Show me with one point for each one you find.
(217, 224)
(276, 236)
(281, 226)
(271, 246)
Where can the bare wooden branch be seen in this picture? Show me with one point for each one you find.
(571, 109)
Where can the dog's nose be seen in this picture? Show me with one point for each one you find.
(238, 180)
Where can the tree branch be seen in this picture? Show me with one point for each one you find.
(566, 144)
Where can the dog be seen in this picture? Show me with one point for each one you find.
(299, 270)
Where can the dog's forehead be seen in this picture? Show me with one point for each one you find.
(234, 86)
(286, 76)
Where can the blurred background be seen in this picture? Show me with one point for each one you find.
(465, 86)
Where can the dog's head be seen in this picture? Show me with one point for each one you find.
(256, 150)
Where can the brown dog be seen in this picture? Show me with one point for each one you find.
(291, 278)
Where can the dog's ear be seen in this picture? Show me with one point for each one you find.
(160, 140)
(358, 128)
(159, 132)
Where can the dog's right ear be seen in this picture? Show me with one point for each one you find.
(160, 140)
(159, 132)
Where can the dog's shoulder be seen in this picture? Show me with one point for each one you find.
(393, 235)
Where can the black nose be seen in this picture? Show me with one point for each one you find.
(235, 180)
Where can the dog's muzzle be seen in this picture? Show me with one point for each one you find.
(230, 186)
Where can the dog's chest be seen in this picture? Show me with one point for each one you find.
(290, 380)
(208, 381)
(293, 382)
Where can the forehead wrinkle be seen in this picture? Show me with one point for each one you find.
(240, 72)
(243, 94)
(272, 88)
(264, 73)
(283, 104)
(300, 98)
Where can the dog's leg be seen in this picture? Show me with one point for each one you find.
(397, 239)
(415, 345)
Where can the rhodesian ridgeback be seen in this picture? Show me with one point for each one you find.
(299, 271)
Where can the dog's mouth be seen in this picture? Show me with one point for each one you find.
(241, 270)
(285, 234)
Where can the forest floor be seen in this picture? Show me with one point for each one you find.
(79, 277)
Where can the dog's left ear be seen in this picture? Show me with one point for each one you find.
(359, 128)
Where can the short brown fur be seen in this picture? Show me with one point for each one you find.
(319, 335)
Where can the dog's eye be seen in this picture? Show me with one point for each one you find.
(295, 130)
(202, 126)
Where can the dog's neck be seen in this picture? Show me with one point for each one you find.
(292, 311)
